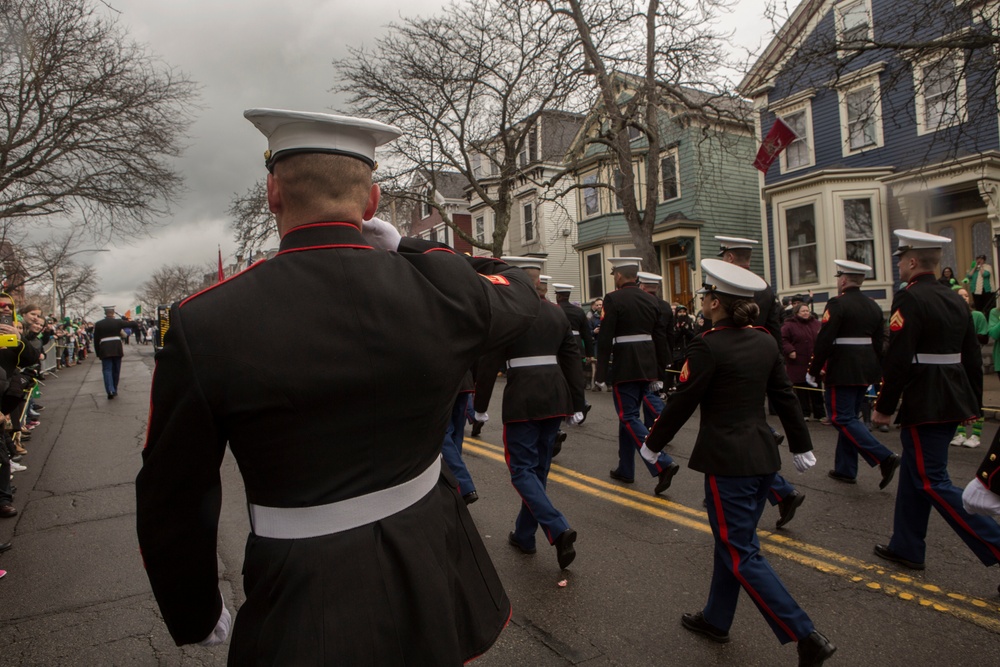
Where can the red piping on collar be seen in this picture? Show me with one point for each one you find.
(448, 250)
(312, 225)
(212, 287)
(326, 247)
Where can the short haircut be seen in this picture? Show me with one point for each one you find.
(316, 179)
(630, 272)
(927, 258)
(854, 278)
(741, 254)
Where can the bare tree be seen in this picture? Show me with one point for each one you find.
(252, 222)
(76, 284)
(170, 283)
(467, 88)
(88, 119)
(645, 57)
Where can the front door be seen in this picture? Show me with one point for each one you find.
(679, 277)
(970, 237)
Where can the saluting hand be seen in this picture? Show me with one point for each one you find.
(381, 234)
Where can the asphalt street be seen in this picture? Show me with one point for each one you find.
(76, 594)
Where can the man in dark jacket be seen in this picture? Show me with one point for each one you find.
(108, 339)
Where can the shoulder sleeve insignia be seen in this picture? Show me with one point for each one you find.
(496, 279)
(826, 316)
(896, 322)
(685, 372)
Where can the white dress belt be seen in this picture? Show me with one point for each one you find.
(852, 341)
(937, 359)
(544, 360)
(296, 523)
(637, 338)
(105, 340)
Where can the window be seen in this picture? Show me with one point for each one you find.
(619, 185)
(668, 176)
(798, 153)
(425, 205)
(633, 133)
(529, 149)
(859, 231)
(441, 233)
(595, 276)
(861, 120)
(940, 97)
(433, 234)
(800, 227)
(477, 165)
(853, 22)
(528, 216)
(481, 229)
(591, 202)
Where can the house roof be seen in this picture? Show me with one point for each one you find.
(788, 38)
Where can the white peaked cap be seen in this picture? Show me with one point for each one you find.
(730, 279)
(650, 278)
(544, 279)
(847, 266)
(291, 132)
(622, 262)
(109, 307)
(524, 262)
(734, 243)
(911, 239)
(562, 287)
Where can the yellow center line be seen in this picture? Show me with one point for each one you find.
(872, 576)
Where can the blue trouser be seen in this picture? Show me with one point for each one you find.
(780, 488)
(111, 367)
(923, 483)
(734, 508)
(631, 431)
(451, 448)
(528, 450)
(843, 403)
(652, 406)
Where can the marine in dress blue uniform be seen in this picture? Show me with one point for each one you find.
(935, 367)
(847, 352)
(454, 436)
(544, 385)
(728, 371)
(632, 330)
(736, 250)
(362, 551)
(108, 339)
(580, 328)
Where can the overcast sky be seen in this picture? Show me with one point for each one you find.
(244, 54)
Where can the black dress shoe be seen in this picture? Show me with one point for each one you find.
(787, 507)
(620, 477)
(586, 410)
(5, 546)
(7, 511)
(557, 446)
(833, 474)
(512, 541)
(885, 552)
(888, 468)
(814, 650)
(110, 396)
(665, 477)
(470, 497)
(565, 552)
(697, 623)
(476, 428)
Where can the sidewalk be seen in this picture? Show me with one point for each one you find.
(75, 591)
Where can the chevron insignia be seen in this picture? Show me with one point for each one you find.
(896, 322)
(826, 316)
(685, 372)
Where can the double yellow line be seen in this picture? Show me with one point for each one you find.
(871, 576)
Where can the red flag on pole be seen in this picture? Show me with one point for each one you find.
(777, 140)
(222, 275)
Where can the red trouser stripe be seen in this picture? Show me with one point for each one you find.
(926, 481)
(843, 429)
(734, 556)
(628, 427)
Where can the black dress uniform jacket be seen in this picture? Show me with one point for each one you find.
(629, 312)
(929, 318)
(770, 313)
(109, 330)
(322, 424)
(988, 469)
(850, 315)
(727, 372)
(536, 392)
(578, 321)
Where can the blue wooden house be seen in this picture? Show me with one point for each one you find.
(887, 137)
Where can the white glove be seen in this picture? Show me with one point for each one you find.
(804, 461)
(380, 234)
(810, 380)
(602, 386)
(482, 417)
(647, 454)
(656, 387)
(576, 418)
(221, 630)
(977, 499)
